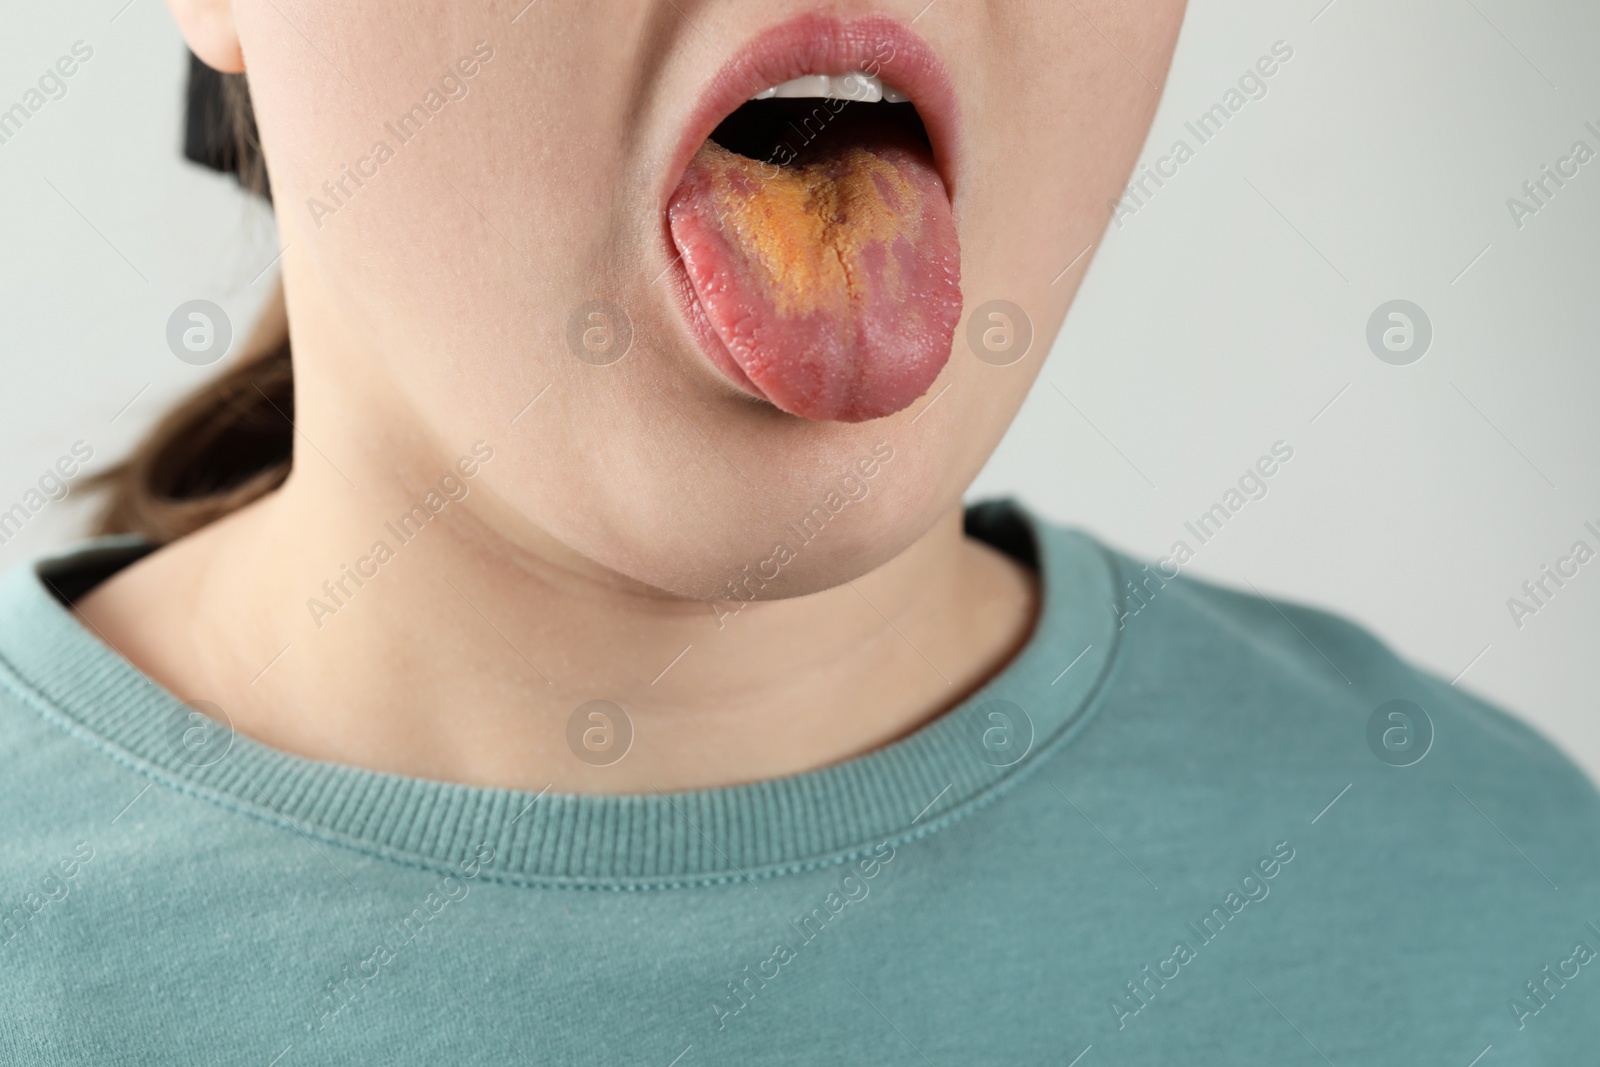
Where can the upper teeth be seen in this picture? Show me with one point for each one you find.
(862, 88)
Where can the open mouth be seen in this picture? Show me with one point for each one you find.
(821, 268)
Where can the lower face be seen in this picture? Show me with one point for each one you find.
(749, 257)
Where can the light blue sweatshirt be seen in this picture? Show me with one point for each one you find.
(1213, 830)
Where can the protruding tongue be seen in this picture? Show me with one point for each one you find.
(834, 285)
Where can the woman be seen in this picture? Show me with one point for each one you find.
(613, 675)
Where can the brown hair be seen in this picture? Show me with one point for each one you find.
(230, 441)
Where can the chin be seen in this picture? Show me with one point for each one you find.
(844, 525)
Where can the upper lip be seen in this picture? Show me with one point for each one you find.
(820, 44)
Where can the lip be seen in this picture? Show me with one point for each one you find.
(812, 44)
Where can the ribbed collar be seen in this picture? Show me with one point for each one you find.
(912, 787)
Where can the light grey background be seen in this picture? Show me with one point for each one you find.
(1227, 313)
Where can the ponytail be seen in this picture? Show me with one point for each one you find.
(230, 441)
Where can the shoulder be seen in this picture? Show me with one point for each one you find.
(61, 787)
(1307, 689)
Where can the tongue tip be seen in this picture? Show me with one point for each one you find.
(900, 379)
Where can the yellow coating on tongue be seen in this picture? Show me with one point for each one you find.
(809, 227)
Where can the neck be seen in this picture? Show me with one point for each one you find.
(463, 652)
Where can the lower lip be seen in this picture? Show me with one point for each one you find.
(810, 44)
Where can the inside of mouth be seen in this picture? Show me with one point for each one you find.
(792, 132)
